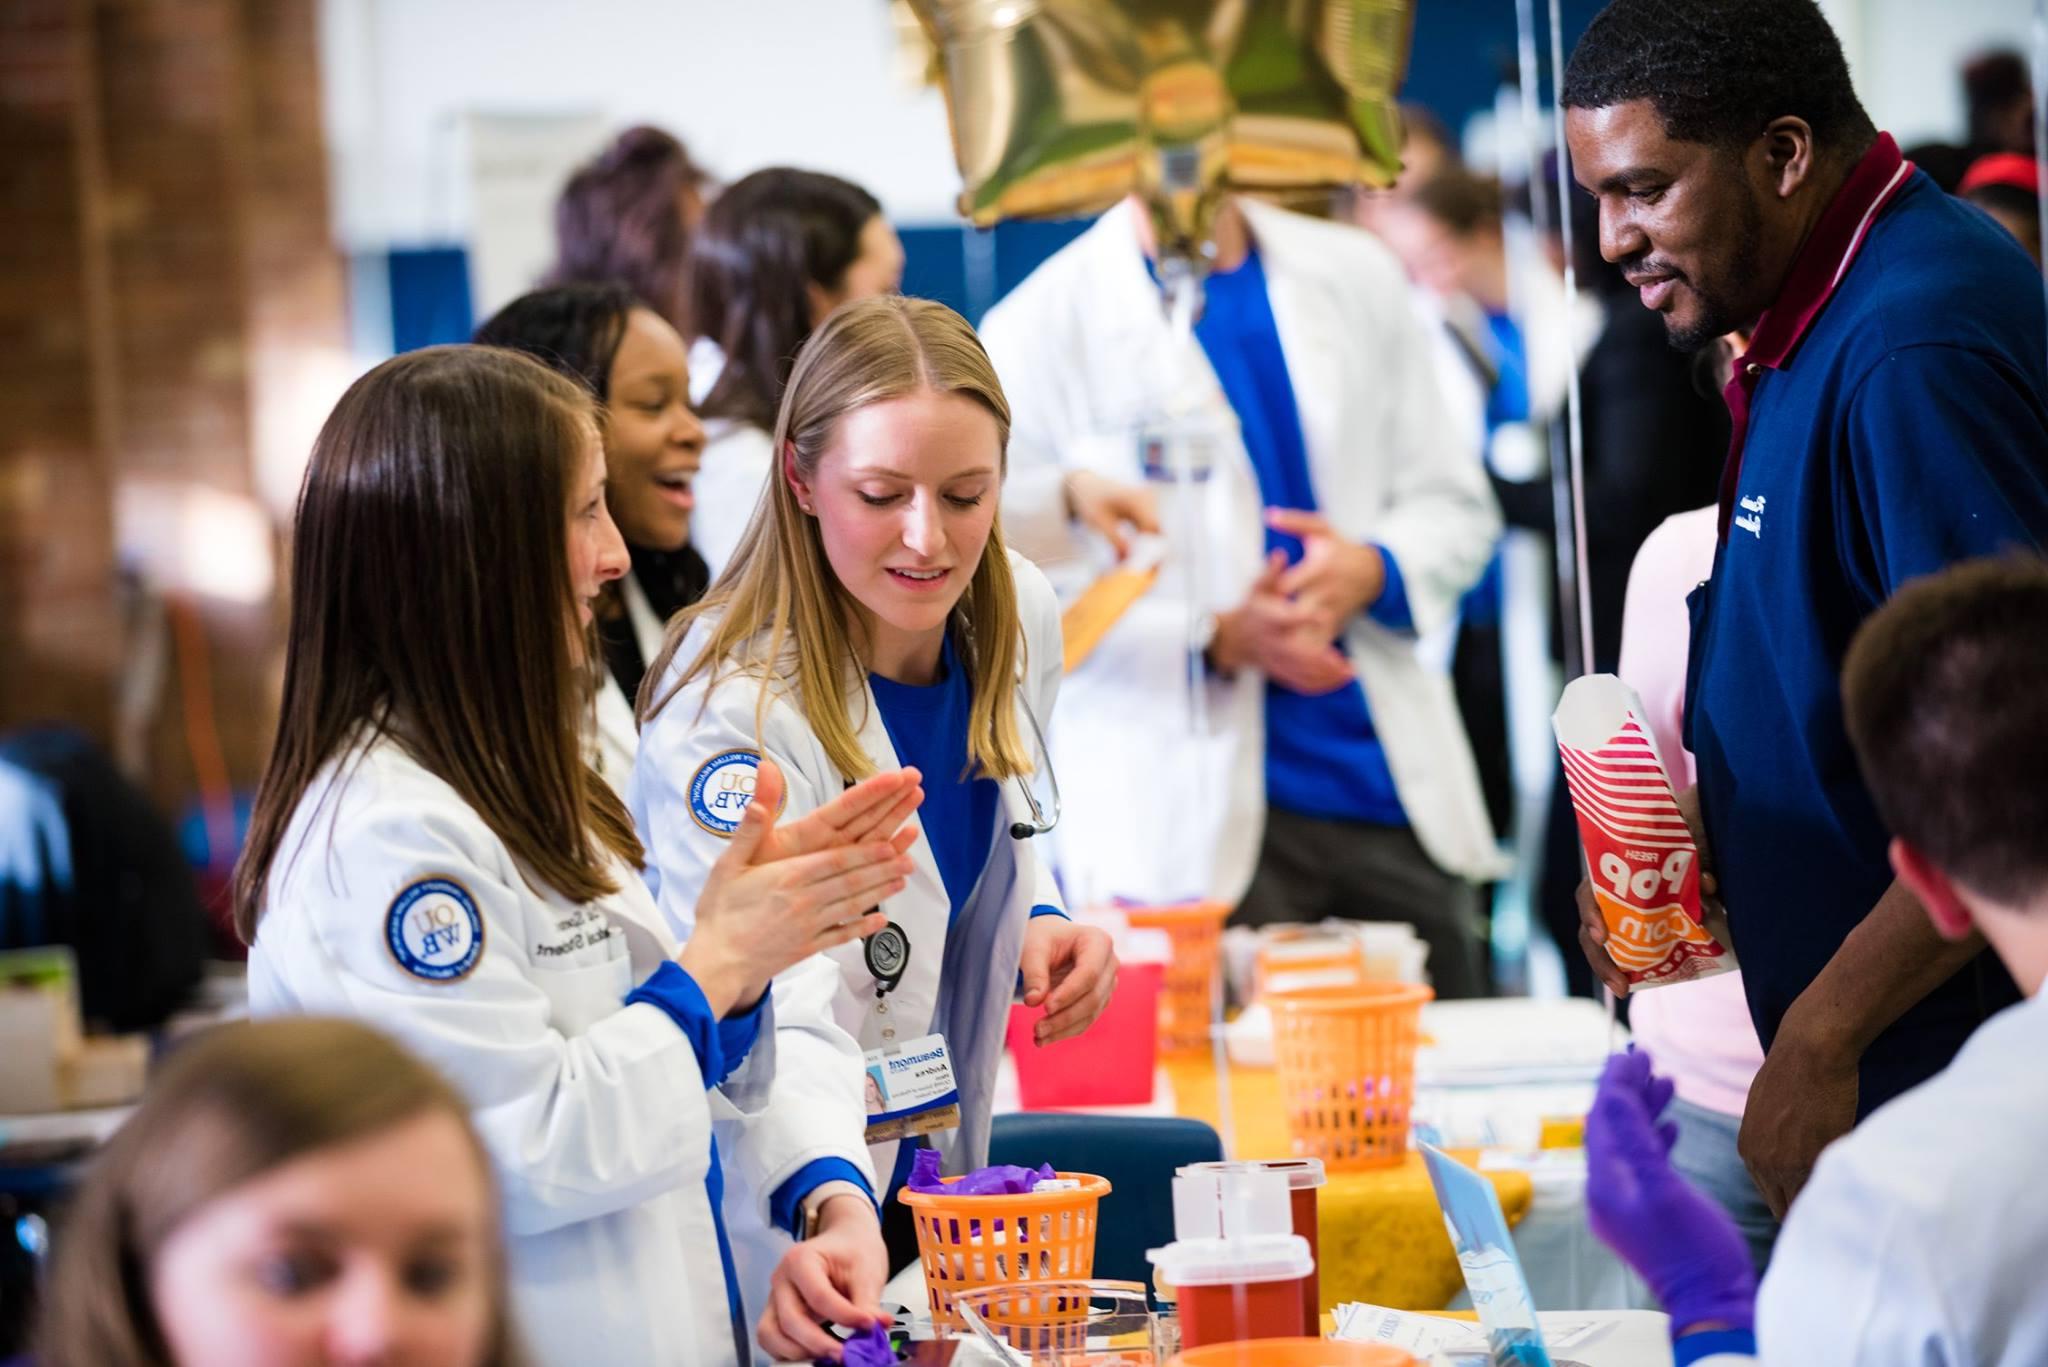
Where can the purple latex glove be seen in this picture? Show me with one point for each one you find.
(1682, 1244)
(924, 1171)
(1003, 1180)
(870, 1348)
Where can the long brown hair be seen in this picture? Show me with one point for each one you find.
(431, 601)
(240, 1101)
(765, 243)
(779, 594)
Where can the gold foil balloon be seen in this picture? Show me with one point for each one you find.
(1064, 106)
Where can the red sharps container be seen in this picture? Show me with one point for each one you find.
(1234, 1290)
(1305, 1177)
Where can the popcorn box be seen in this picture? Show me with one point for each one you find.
(1641, 859)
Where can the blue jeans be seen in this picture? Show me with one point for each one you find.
(1705, 1156)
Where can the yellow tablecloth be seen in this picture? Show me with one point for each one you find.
(1382, 1234)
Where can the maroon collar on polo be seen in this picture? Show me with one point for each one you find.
(1816, 271)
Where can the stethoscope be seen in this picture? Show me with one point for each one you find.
(1038, 824)
(887, 951)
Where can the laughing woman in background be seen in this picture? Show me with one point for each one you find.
(633, 363)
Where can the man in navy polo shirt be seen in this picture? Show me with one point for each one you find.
(1890, 414)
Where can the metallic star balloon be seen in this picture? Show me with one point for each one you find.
(1064, 106)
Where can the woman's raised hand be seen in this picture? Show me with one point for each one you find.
(778, 896)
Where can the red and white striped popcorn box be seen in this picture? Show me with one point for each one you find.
(1641, 858)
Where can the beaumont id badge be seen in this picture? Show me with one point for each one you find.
(910, 1090)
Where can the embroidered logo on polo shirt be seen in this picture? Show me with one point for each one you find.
(434, 931)
(1754, 523)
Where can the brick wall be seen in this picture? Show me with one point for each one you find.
(168, 286)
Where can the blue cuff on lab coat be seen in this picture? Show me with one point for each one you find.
(720, 1045)
(1692, 1347)
(1391, 610)
(786, 1206)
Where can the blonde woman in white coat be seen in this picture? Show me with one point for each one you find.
(431, 852)
(872, 618)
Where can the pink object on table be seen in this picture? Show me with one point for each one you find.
(1699, 1033)
(1112, 1063)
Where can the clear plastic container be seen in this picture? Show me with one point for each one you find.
(1068, 1323)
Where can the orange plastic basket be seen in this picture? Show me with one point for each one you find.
(1186, 996)
(966, 1242)
(1294, 1353)
(1346, 1057)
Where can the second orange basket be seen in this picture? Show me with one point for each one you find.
(1187, 995)
(1346, 1057)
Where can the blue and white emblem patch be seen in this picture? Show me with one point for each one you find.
(721, 789)
(434, 930)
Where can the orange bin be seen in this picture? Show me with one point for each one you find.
(1294, 1353)
(1346, 1057)
(1187, 996)
(967, 1242)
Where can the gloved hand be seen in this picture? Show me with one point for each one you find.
(870, 1348)
(1683, 1245)
(1002, 1180)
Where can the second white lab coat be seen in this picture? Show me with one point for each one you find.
(960, 981)
(1087, 357)
(595, 1114)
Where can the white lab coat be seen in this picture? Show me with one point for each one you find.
(959, 982)
(1921, 1238)
(1086, 356)
(594, 1113)
(738, 457)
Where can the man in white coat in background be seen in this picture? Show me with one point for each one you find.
(1325, 771)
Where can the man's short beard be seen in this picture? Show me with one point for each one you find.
(1717, 317)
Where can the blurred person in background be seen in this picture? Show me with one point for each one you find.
(778, 250)
(1427, 150)
(1998, 92)
(431, 850)
(1447, 229)
(2007, 186)
(634, 364)
(1346, 513)
(225, 1225)
(87, 861)
(627, 215)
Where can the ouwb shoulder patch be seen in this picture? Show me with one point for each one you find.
(434, 931)
(721, 789)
